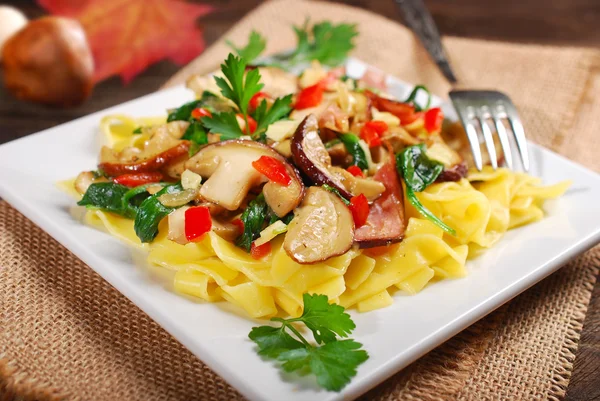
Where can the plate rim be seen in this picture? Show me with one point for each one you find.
(374, 376)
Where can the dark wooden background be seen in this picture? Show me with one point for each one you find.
(563, 22)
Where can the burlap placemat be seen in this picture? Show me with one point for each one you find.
(67, 334)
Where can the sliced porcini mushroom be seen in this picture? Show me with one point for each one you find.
(152, 163)
(372, 189)
(311, 156)
(386, 222)
(321, 228)
(230, 175)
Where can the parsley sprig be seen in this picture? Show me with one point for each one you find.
(332, 361)
(240, 86)
(326, 42)
(237, 87)
(256, 45)
(266, 116)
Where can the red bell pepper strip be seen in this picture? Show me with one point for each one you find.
(355, 171)
(137, 179)
(434, 118)
(371, 132)
(404, 111)
(259, 252)
(359, 206)
(311, 96)
(257, 99)
(200, 112)
(251, 123)
(273, 169)
(197, 222)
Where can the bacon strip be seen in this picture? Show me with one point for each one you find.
(386, 222)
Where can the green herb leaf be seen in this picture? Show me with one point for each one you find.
(353, 147)
(224, 124)
(108, 196)
(325, 42)
(334, 363)
(281, 108)
(272, 341)
(325, 320)
(209, 101)
(151, 212)
(138, 130)
(196, 134)
(412, 98)
(419, 171)
(253, 218)
(331, 189)
(256, 45)
(236, 87)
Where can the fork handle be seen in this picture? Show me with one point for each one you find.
(419, 20)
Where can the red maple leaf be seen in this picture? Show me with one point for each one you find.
(126, 36)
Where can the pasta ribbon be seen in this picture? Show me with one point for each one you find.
(481, 209)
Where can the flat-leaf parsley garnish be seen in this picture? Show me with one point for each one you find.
(332, 361)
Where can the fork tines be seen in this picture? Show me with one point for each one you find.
(476, 108)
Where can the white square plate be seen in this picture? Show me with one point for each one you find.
(394, 336)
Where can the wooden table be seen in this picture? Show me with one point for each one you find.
(572, 22)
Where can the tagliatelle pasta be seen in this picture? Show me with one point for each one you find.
(484, 207)
(313, 185)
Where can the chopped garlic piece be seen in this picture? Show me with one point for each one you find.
(190, 180)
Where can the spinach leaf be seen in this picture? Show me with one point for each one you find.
(333, 190)
(412, 98)
(151, 212)
(353, 147)
(253, 218)
(184, 112)
(419, 171)
(108, 196)
(196, 134)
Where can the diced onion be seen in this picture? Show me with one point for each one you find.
(272, 231)
(178, 198)
(385, 116)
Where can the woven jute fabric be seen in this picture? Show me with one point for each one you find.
(65, 334)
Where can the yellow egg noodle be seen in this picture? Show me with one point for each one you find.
(474, 209)
(481, 208)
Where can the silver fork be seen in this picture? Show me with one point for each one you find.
(476, 108)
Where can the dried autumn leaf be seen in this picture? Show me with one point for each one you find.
(126, 36)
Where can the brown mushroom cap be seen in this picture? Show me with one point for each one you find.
(311, 156)
(228, 166)
(49, 61)
(321, 228)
